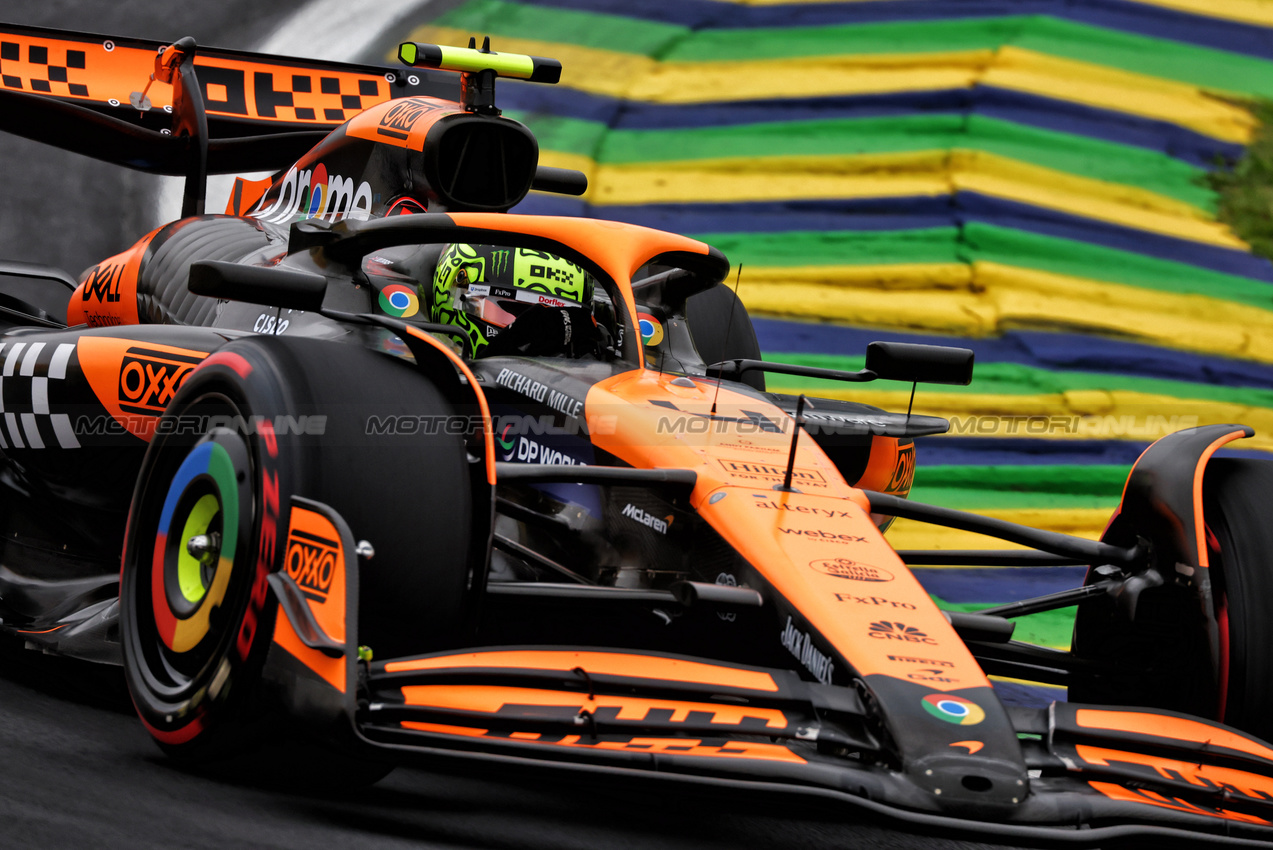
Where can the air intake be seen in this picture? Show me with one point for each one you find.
(477, 163)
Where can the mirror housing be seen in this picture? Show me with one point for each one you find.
(929, 364)
(285, 288)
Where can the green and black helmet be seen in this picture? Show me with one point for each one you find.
(485, 288)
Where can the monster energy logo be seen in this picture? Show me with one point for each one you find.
(499, 262)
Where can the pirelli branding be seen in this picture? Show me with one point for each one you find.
(149, 379)
(311, 562)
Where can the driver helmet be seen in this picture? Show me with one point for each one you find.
(485, 288)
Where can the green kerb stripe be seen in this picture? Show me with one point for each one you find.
(584, 29)
(1017, 379)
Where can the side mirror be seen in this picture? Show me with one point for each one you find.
(928, 364)
(285, 288)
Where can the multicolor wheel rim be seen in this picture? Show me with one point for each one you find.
(202, 501)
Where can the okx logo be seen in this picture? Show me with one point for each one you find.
(885, 630)
(149, 379)
(957, 710)
(311, 563)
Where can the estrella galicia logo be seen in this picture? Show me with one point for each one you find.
(845, 568)
(952, 709)
(311, 563)
(886, 630)
(149, 379)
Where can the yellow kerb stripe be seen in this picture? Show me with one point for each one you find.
(885, 175)
(985, 299)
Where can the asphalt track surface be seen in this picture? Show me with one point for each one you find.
(76, 767)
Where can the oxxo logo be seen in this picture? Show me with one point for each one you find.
(852, 570)
(885, 630)
(149, 379)
(311, 563)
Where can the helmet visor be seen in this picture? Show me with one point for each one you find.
(501, 306)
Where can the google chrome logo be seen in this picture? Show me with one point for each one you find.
(957, 710)
(651, 329)
(398, 300)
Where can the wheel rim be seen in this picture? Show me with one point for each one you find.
(202, 493)
(190, 601)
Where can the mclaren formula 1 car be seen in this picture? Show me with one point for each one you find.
(430, 479)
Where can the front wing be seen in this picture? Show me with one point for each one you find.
(1095, 774)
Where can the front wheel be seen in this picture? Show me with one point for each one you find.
(1164, 658)
(1236, 496)
(263, 421)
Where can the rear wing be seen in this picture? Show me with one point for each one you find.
(94, 95)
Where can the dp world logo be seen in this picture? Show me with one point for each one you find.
(885, 630)
(957, 710)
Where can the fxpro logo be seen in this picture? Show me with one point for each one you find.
(315, 194)
(885, 630)
(635, 514)
(148, 379)
(311, 563)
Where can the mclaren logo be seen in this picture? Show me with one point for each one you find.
(149, 379)
(885, 630)
(311, 563)
(658, 524)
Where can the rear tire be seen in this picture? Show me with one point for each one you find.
(317, 414)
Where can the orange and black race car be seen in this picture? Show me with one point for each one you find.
(431, 480)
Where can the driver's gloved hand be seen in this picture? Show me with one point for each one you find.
(548, 332)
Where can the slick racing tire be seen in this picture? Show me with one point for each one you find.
(261, 421)
(1163, 658)
(722, 330)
